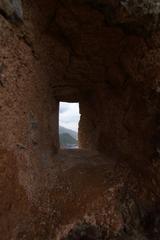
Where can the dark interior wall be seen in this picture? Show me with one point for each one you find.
(28, 122)
(119, 65)
(120, 121)
(73, 47)
(111, 68)
(89, 125)
(127, 126)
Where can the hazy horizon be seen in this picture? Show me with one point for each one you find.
(69, 115)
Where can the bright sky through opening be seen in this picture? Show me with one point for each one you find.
(69, 115)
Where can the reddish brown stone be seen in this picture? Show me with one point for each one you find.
(94, 53)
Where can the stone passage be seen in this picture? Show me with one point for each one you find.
(104, 54)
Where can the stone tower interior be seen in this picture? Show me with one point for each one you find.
(104, 54)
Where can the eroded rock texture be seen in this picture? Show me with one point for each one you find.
(12, 10)
(105, 55)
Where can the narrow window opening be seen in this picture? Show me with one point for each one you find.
(69, 117)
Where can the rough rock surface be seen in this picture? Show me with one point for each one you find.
(11, 9)
(105, 55)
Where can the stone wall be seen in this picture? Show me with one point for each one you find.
(103, 55)
(28, 123)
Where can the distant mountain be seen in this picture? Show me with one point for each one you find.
(62, 130)
(66, 139)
